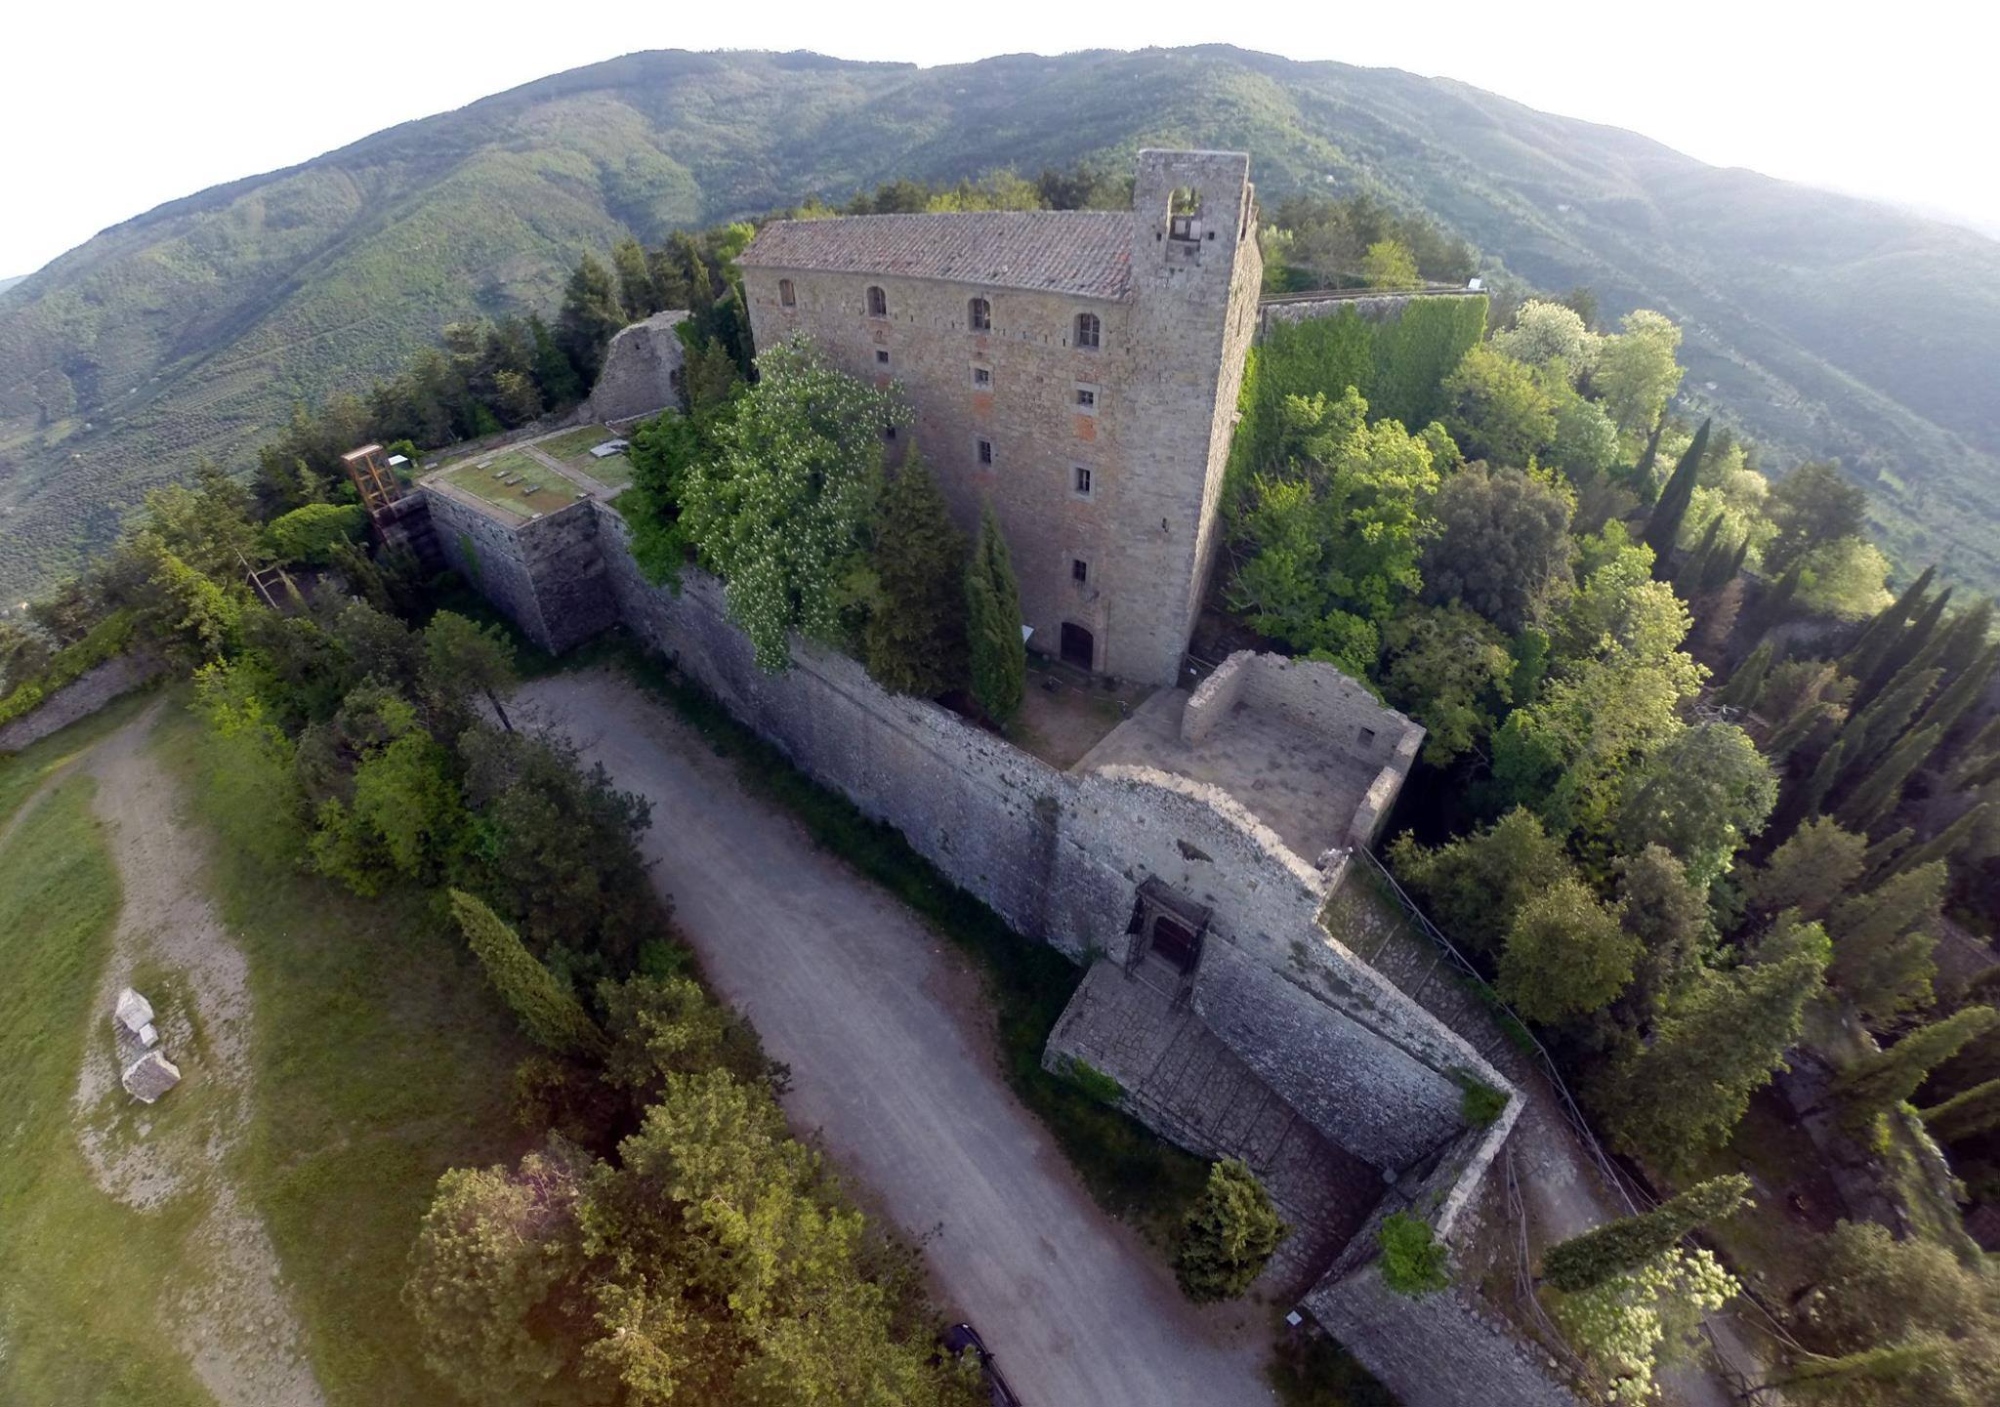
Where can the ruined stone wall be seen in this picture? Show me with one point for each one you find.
(1371, 307)
(80, 698)
(641, 372)
(545, 574)
(1213, 699)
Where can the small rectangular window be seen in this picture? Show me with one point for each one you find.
(881, 357)
(1079, 571)
(1367, 737)
(787, 295)
(1085, 399)
(985, 451)
(982, 378)
(1082, 482)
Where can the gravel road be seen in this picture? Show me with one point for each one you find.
(892, 1062)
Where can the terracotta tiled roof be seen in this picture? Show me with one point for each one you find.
(1083, 252)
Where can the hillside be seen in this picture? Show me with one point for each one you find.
(1825, 324)
(7, 283)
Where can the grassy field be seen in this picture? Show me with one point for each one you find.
(80, 1274)
(25, 771)
(516, 482)
(382, 1059)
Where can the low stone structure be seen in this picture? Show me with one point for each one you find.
(143, 1068)
(642, 371)
(81, 697)
(545, 572)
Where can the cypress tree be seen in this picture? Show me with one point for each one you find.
(591, 316)
(1880, 635)
(1877, 794)
(547, 1012)
(1688, 580)
(1821, 780)
(1897, 1365)
(1642, 472)
(1965, 1115)
(1976, 765)
(1879, 1082)
(1794, 730)
(1710, 1052)
(993, 624)
(1870, 731)
(1776, 604)
(1663, 527)
(1948, 843)
(1587, 1261)
(1878, 863)
(1731, 567)
(1748, 681)
(636, 292)
(1911, 648)
(915, 639)
(1228, 1236)
(1966, 686)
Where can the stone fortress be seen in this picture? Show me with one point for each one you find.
(1188, 857)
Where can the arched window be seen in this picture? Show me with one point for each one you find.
(979, 315)
(787, 295)
(878, 302)
(1088, 330)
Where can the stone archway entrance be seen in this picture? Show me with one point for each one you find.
(1168, 928)
(1079, 646)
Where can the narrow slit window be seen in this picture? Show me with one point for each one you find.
(1079, 571)
(979, 315)
(878, 302)
(1082, 482)
(787, 295)
(984, 449)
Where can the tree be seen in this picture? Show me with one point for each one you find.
(491, 1279)
(551, 1016)
(1388, 264)
(1668, 916)
(636, 292)
(1702, 794)
(1451, 671)
(1966, 1114)
(1962, 837)
(1663, 527)
(1228, 1236)
(998, 658)
(914, 642)
(1710, 1052)
(1587, 1261)
(1875, 642)
(308, 534)
(1550, 337)
(591, 316)
(1634, 1323)
(1502, 549)
(1636, 374)
(1332, 533)
(1746, 684)
(1813, 506)
(1585, 444)
(1879, 1082)
(461, 657)
(1475, 883)
(781, 511)
(1495, 410)
(1877, 794)
(1565, 955)
(1810, 872)
(1843, 579)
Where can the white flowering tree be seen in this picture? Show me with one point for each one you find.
(1635, 1323)
(781, 512)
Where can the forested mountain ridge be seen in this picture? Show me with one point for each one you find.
(1827, 325)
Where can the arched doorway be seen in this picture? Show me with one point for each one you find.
(1079, 646)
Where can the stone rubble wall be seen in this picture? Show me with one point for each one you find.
(1371, 307)
(641, 371)
(81, 697)
(1213, 699)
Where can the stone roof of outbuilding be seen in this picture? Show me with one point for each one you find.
(1087, 253)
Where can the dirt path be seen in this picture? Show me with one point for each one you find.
(864, 1004)
(228, 1311)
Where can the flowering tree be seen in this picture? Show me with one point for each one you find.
(781, 511)
(1635, 1322)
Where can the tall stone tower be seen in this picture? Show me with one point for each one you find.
(1196, 274)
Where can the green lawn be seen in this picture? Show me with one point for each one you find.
(81, 1276)
(613, 471)
(27, 769)
(515, 481)
(571, 443)
(381, 1060)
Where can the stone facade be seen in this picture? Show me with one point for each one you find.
(545, 574)
(1125, 485)
(642, 370)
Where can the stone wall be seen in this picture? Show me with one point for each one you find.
(1216, 695)
(80, 698)
(546, 574)
(641, 374)
(1372, 307)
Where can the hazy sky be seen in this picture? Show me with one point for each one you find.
(107, 110)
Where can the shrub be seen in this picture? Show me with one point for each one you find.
(1480, 1104)
(1414, 1262)
(309, 534)
(1094, 1082)
(1228, 1237)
